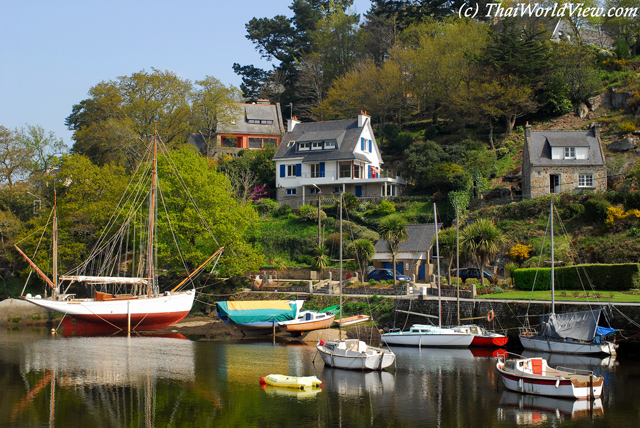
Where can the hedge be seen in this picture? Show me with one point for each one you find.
(603, 277)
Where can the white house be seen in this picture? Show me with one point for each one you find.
(331, 157)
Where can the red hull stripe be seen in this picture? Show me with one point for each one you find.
(489, 341)
(114, 322)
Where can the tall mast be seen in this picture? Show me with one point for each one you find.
(553, 301)
(56, 291)
(435, 219)
(152, 207)
(340, 326)
(457, 262)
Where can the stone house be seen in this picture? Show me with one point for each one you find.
(326, 158)
(414, 255)
(562, 161)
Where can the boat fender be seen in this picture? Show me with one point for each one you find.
(596, 340)
(491, 315)
(262, 381)
(557, 383)
(322, 343)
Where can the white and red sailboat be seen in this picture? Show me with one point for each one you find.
(117, 299)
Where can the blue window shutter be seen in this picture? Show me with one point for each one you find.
(298, 170)
(369, 170)
(321, 169)
(370, 146)
(282, 170)
(362, 143)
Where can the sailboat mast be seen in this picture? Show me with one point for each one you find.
(457, 262)
(435, 219)
(553, 300)
(56, 291)
(340, 326)
(152, 203)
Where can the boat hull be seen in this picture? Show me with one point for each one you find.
(537, 344)
(296, 382)
(304, 326)
(141, 313)
(363, 358)
(488, 341)
(552, 383)
(344, 322)
(444, 340)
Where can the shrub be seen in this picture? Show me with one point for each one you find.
(628, 126)
(265, 205)
(497, 289)
(616, 277)
(595, 209)
(283, 210)
(385, 208)
(310, 213)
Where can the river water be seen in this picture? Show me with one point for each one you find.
(95, 382)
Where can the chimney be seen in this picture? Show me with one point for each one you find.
(263, 102)
(596, 130)
(292, 123)
(362, 118)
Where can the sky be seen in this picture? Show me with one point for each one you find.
(53, 52)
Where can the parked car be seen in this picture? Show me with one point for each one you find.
(473, 273)
(386, 274)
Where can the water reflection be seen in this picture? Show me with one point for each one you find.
(531, 410)
(114, 379)
(569, 360)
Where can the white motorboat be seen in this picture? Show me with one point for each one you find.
(354, 354)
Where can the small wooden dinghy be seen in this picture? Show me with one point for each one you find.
(343, 322)
(297, 382)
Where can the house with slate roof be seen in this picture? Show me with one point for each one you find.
(562, 161)
(414, 256)
(330, 158)
(255, 127)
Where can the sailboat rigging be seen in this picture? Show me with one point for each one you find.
(568, 333)
(142, 306)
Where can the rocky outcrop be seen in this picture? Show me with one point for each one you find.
(623, 145)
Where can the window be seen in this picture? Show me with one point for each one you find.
(303, 146)
(255, 143)
(316, 170)
(585, 180)
(329, 144)
(569, 152)
(260, 121)
(229, 142)
(356, 171)
(291, 143)
(316, 145)
(337, 189)
(345, 169)
(291, 170)
(271, 142)
(314, 190)
(291, 192)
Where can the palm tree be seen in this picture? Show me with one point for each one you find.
(482, 239)
(362, 250)
(321, 260)
(392, 229)
(447, 244)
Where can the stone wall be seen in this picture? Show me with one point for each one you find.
(510, 316)
(539, 179)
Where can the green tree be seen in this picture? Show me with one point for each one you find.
(483, 240)
(447, 248)
(15, 158)
(45, 148)
(393, 230)
(212, 107)
(419, 158)
(625, 29)
(320, 260)
(118, 120)
(362, 250)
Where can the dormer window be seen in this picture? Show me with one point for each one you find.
(329, 144)
(303, 146)
(316, 145)
(569, 152)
